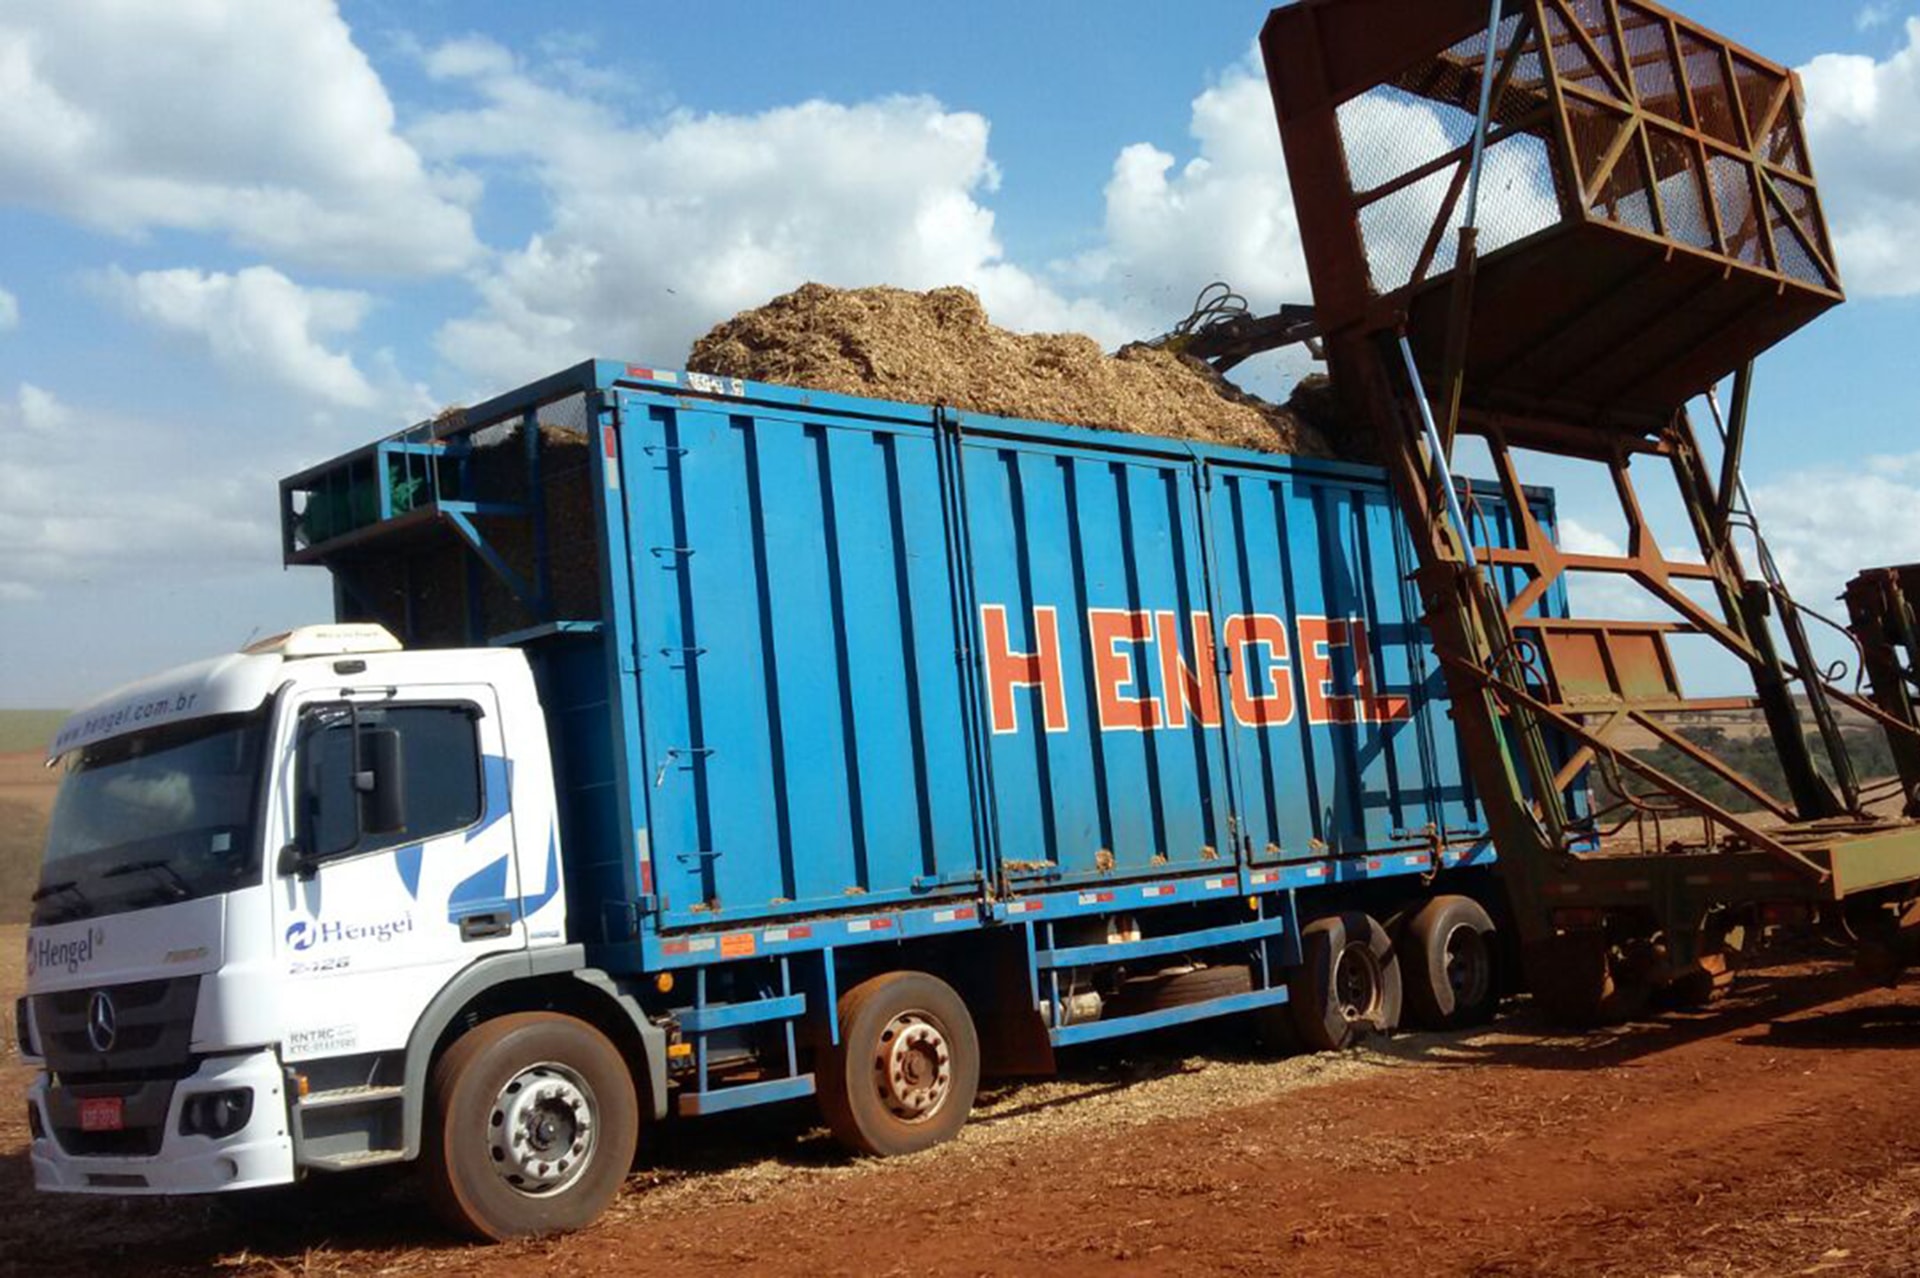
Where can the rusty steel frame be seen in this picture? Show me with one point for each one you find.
(1541, 700)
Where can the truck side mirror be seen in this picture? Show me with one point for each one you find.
(381, 782)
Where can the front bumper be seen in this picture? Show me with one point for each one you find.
(259, 1154)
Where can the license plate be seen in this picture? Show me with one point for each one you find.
(102, 1114)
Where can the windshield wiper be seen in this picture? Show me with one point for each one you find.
(165, 869)
(46, 890)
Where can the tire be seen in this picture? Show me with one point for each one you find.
(904, 1074)
(537, 1074)
(1348, 984)
(1159, 991)
(1447, 962)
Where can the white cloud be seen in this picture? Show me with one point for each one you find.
(1577, 538)
(658, 230)
(258, 323)
(1863, 127)
(1873, 15)
(140, 496)
(41, 411)
(1826, 524)
(9, 311)
(261, 122)
(1227, 213)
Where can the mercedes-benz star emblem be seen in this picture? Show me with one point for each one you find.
(102, 1022)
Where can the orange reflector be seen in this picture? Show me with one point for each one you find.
(664, 982)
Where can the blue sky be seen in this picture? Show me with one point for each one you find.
(236, 238)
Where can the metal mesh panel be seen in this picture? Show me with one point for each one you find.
(1795, 260)
(1598, 26)
(1784, 146)
(1683, 194)
(1758, 86)
(1425, 118)
(1626, 198)
(1389, 131)
(1712, 97)
(1733, 195)
(1518, 193)
(1799, 201)
(1570, 56)
(1595, 131)
(1397, 227)
(573, 538)
(553, 544)
(1650, 53)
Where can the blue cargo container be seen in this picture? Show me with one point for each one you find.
(1104, 732)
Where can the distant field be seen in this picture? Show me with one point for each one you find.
(26, 797)
(27, 729)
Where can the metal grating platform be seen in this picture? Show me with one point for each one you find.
(1649, 220)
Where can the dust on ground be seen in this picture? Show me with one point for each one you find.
(1771, 1135)
(938, 347)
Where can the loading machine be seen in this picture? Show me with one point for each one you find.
(1552, 225)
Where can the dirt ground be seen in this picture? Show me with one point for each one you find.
(1773, 1135)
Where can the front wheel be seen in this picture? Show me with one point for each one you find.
(904, 1074)
(531, 1127)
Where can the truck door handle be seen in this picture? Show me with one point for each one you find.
(485, 927)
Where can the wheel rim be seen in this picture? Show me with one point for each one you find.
(913, 1067)
(1356, 983)
(1469, 966)
(542, 1131)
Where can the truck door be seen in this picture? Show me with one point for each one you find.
(373, 923)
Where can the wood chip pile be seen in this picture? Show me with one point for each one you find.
(938, 347)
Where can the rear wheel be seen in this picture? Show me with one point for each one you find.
(905, 1072)
(531, 1126)
(1348, 984)
(1447, 953)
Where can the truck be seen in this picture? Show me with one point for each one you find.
(682, 744)
(688, 744)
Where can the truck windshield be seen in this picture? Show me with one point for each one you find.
(153, 818)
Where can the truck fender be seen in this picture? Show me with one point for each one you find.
(653, 1041)
(505, 969)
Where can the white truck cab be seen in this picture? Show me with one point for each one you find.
(270, 880)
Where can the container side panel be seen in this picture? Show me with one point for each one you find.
(930, 656)
(666, 647)
(1082, 561)
(802, 634)
(1335, 700)
(881, 696)
(797, 652)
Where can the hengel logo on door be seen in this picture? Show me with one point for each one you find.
(46, 955)
(304, 935)
(1143, 682)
